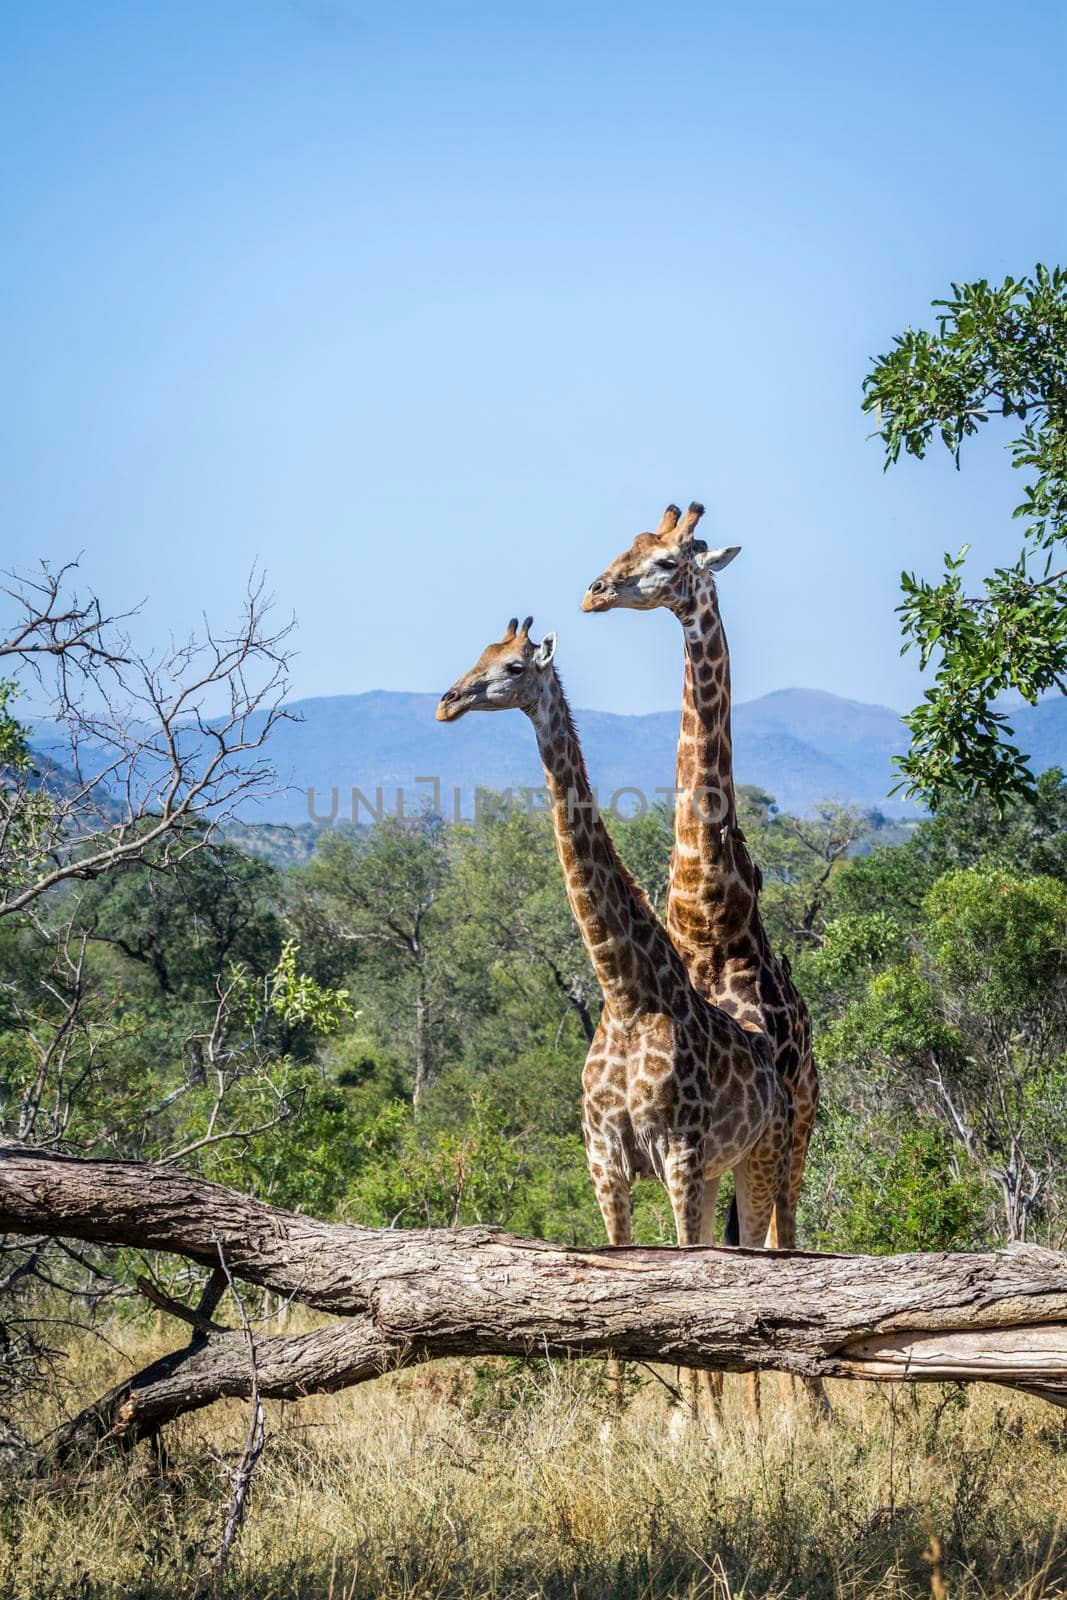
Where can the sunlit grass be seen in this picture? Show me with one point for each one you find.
(509, 1482)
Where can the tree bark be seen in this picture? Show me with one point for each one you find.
(422, 1074)
(998, 1316)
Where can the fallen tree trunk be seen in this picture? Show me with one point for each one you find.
(998, 1316)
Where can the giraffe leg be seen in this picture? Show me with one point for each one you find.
(711, 1382)
(757, 1180)
(686, 1187)
(613, 1198)
(786, 1382)
(782, 1235)
(785, 1228)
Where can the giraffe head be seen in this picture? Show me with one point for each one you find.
(507, 675)
(666, 568)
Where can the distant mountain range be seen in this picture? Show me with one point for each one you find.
(800, 745)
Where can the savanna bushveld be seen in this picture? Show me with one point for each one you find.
(267, 1102)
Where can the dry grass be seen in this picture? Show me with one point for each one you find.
(516, 1484)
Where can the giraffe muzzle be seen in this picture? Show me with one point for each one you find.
(597, 596)
(450, 706)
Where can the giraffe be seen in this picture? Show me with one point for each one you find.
(673, 1087)
(713, 892)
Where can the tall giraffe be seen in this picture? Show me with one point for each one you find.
(673, 1087)
(713, 894)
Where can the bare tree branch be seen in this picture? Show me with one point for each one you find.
(144, 755)
(255, 1441)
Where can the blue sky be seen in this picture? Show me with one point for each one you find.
(428, 308)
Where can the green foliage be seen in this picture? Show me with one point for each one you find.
(998, 350)
(998, 941)
(25, 809)
(372, 906)
(266, 1026)
(1028, 837)
(893, 1190)
(964, 1020)
(517, 955)
(455, 1176)
(854, 947)
(14, 749)
(896, 1024)
(184, 928)
(307, 1164)
(645, 843)
(800, 859)
(292, 997)
(1025, 835)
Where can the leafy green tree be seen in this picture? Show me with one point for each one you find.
(83, 1063)
(645, 843)
(14, 749)
(966, 1025)
(855, 946)
(890, 1188)
(512, 919)
(309, 1162)
(374, 906)
(891, 880)
(466, 1175)
(799, 859)
(216, 907)
(25, 811)
(997, 351)
(1026, 836)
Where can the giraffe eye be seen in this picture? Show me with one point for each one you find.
(515, 667)
(667, 564)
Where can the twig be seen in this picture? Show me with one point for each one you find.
(255, 1439)
(672, 1389)
(174, 1308)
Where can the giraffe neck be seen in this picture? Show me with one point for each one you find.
(633, 959)
(713, 883)
(705, 745)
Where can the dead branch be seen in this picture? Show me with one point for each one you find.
(174, 1308)
(255, 1442)
(142, 756)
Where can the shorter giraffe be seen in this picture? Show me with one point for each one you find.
(673, 1087)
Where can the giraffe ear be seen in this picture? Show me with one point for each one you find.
(545, 651)
(715, 560)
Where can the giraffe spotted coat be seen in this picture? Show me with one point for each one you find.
(713, 913)
(674, 1088)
